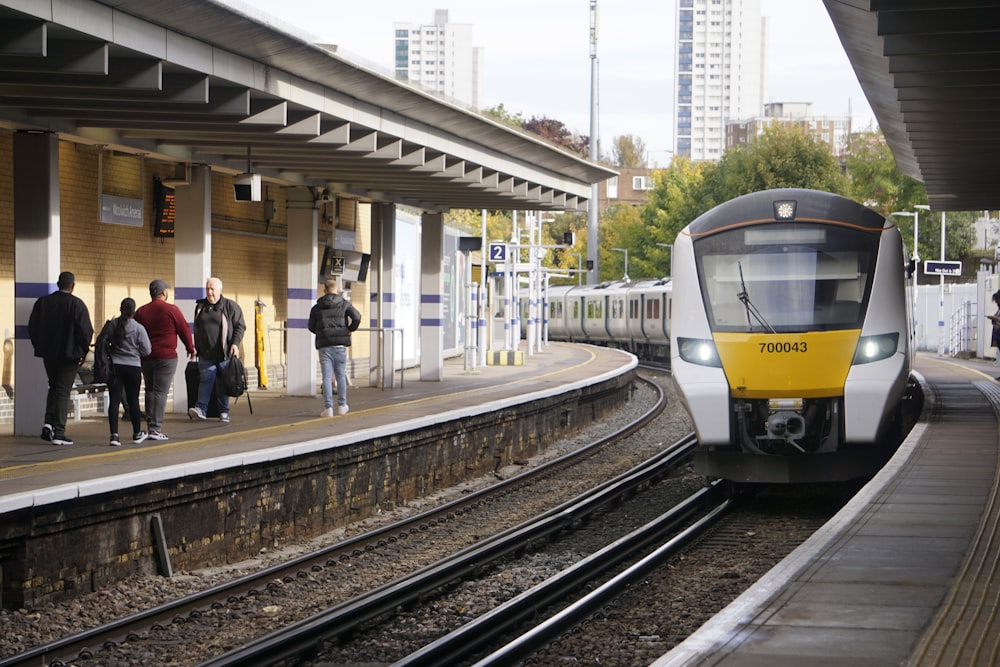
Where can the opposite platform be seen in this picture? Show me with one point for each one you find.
(906, 573)
(75, 519)
(33, 471)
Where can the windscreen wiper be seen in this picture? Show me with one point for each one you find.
(751, 309)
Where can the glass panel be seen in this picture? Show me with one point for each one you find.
(786, 278)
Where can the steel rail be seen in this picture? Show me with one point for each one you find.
(300, 639)
(64, 651)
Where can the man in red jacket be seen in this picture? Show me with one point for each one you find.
(164, 323)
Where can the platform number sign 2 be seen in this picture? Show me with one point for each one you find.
(498, 253)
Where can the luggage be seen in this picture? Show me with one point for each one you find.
(192, 379)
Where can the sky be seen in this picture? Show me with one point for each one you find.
(537, 56)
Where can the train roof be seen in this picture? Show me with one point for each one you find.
(785, 205)
(609, 286)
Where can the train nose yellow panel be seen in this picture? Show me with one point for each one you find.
(799, 365)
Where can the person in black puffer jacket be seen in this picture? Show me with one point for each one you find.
(332, 319)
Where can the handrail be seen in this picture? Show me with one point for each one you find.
(381, 334)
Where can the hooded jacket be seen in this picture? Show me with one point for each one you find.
(332, 319)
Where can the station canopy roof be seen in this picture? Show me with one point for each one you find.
(931, 72)
(201, 82)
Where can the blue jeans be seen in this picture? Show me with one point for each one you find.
(333, 361)
(206, 373)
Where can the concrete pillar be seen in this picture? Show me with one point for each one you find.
(432, 297)
(36, 265)
(192, 261)
(383, 359)
(303, 276)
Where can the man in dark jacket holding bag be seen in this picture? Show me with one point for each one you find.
(332, 319)
(218, 331)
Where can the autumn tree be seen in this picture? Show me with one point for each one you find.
(628, 151)
(556, 132)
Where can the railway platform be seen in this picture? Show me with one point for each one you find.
(29, 465)
(221, 492)
(907, 573)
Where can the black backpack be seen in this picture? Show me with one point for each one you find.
(233, 378)
(104, 365)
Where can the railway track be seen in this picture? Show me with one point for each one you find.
(88, 645)
(299, 643)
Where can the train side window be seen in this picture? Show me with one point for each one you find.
(617, 309)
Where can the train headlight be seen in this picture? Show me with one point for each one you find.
(699, 351)
(876, 348)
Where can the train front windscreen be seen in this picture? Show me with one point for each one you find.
(786, 277)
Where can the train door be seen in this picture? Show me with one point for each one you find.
(665, 315)
(578, 327)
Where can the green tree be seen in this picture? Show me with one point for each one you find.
(674, 201)
(624, 229)
(875, 179)
(877, 182)
(784, 156)
(499, 113)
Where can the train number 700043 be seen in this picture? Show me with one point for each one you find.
(783, 348)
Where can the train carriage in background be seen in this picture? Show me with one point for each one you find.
(632, 316)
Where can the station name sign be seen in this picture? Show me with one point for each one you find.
(942, 268)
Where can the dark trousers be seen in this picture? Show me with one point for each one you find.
(159, 375)
(127, 380)
(61, 376)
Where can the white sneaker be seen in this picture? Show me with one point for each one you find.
(196, 413)
(327, 413)
(343, 409)
(139, 437)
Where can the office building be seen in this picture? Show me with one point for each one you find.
(834, 131)
(719, 72)
(440, 58)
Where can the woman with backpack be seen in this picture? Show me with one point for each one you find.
(129, 342)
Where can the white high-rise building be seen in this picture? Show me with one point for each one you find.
(440, 57)
(719, 72)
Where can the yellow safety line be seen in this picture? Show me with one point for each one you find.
(197, 443)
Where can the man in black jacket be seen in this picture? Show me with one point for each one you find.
(332, 319)
(218, 331)
(60, 330)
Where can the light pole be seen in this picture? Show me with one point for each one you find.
(941, 297)
(916, 257)
(624, 250)
(925, 207)
(670, 249)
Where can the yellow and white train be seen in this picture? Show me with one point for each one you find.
(790, 337)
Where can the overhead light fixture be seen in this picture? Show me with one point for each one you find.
(182, 176)
(246, 186)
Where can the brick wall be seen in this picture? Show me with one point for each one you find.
(228, 516)
(114, 261)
